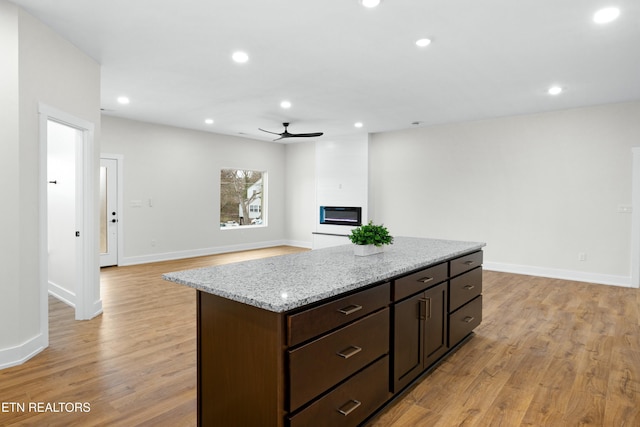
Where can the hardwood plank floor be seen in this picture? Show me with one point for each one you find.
(548, 353)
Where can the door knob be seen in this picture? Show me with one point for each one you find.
(114, 220)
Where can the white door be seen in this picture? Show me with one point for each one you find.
(108, 212)
(64, 210)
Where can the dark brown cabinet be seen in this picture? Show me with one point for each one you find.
(465, 299)
(335, 362)
(420, 333)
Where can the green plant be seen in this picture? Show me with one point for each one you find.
(371, 234)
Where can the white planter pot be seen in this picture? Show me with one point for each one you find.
(364, 250)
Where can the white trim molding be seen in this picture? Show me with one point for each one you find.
(88, 303)
(62, 294)
(556, 273)
(635, 219)
(170, 256)
(14, 356)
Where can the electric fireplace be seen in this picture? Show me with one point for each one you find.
(341, 215)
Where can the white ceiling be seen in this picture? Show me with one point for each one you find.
(339, 63)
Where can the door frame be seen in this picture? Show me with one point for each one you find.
(635, 219)
(119, 158)
(88, 303)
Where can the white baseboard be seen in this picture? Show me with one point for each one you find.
(17, 355)
(170, 256)
(555, 273)
(299, 244)
(62, 294)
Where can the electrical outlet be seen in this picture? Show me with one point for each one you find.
(582, 256)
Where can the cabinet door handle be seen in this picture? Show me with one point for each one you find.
(425, 308)
(349, 407)
(425, 279)
(469, 287)
(351, 351)
(350, 309)
(468, 319)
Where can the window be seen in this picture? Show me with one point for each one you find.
(242, 198)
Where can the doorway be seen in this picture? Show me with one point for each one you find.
(64, 210)
(110, 203)
(635, 219)
(68, 206)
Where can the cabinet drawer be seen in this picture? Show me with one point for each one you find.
(323, 363)
(465, 263)
(464, 288)
(416, 282)
(351, 402)
(464, 320)
(310, 323)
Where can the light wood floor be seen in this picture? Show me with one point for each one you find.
(548, 353)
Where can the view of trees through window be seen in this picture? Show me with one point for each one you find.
(242, 194)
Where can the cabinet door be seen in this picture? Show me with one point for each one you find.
(407, 346)
(433, 311)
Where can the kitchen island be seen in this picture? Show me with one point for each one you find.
(325, 337)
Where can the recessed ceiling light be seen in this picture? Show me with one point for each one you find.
(123, 100)
(208, 121)
(240, 57)
(606, 15)
(358, 124)
(370, 3)
(423, 42)
(285, 104)
(554, 90)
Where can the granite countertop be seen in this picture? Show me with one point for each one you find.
(286, 282)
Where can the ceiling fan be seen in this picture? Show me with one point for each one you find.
(287, 134)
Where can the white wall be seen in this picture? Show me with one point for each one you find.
(61, 200)
(539, 189)
(10, 333)
(300, 196)
(179, 171)
(40, 67)
(341, 180)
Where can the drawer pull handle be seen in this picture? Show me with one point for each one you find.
(351, 351)
(469, 287)
(469, 262)
(350, 309)
(468, 319)
(349, 407)
(425, 308)
(425, 279)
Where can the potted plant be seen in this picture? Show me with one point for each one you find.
(370, 238)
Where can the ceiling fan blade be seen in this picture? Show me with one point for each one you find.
(305, 135)
(268, 131)
(287, 134)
